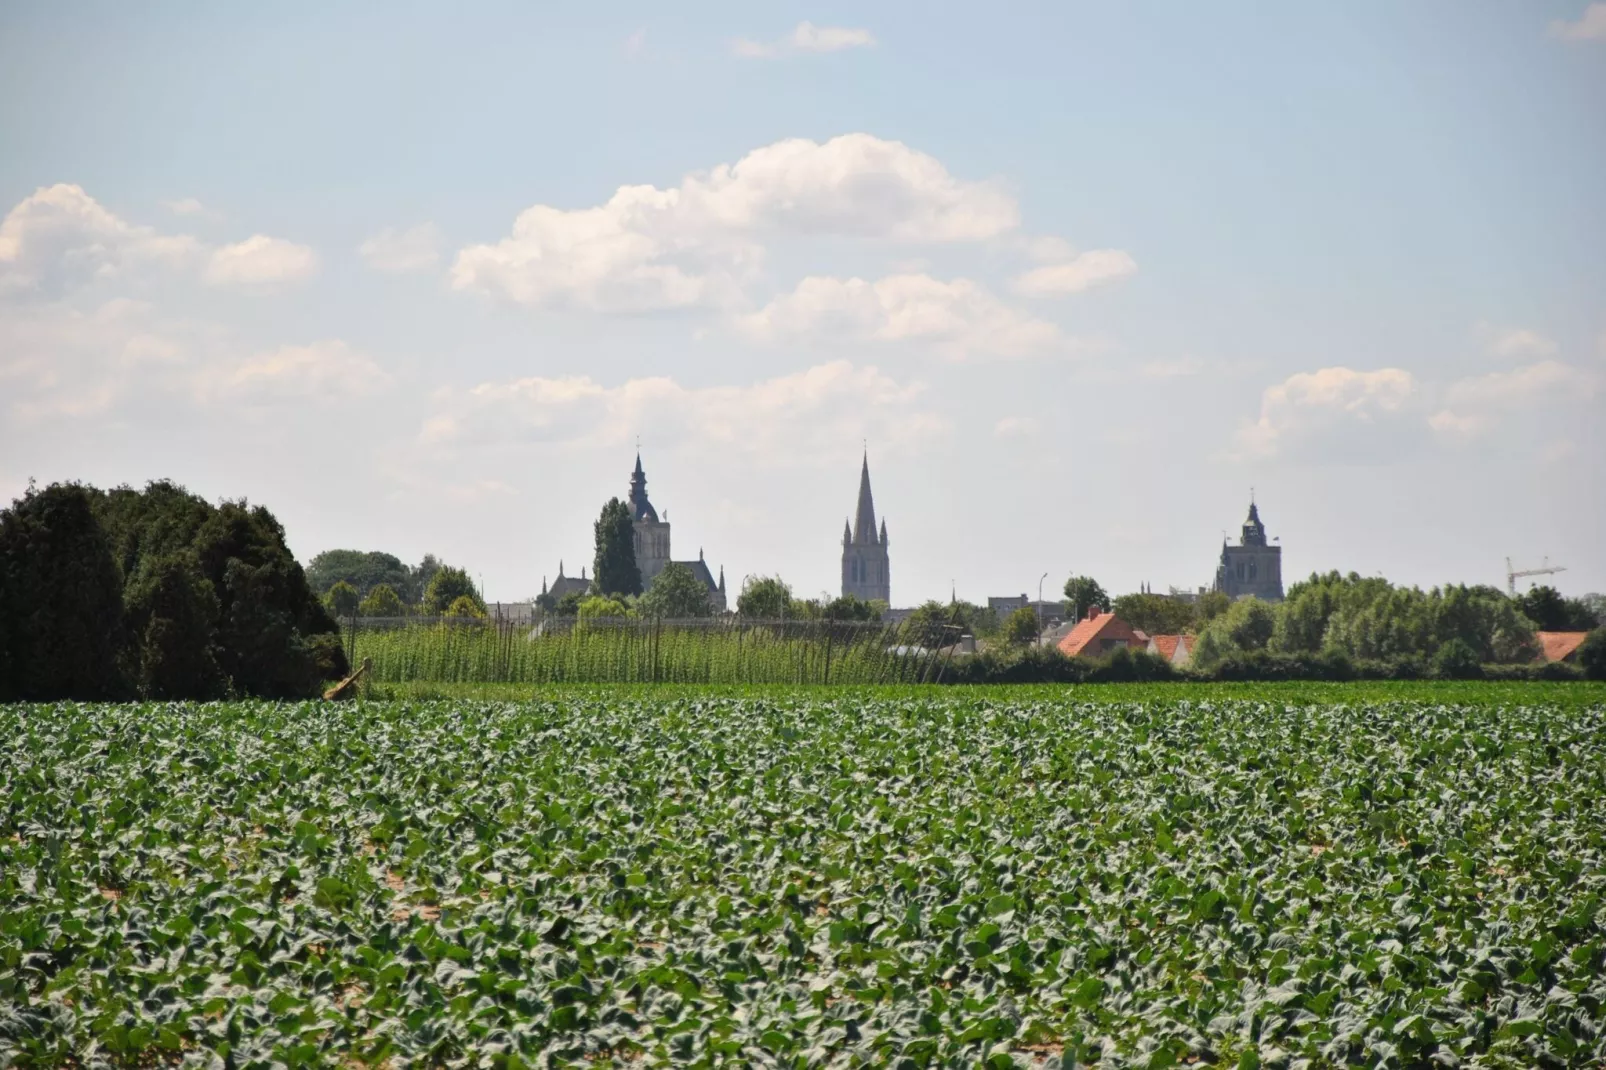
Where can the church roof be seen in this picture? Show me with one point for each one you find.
(699, 568)
(640, 507)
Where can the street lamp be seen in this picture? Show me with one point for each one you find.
(1040, 580)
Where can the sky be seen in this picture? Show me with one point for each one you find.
(1078, 277)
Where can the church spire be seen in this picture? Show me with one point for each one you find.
(640, 507)
(864, 521)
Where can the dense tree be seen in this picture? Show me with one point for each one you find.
(569, 604)
(1595, 606)
(1208, 606)
(363, 570)
(446, 586)
(849, 607)
(342, 600)
(1550, 612)
(676, 592)
(614, 567)
(382, 601)
(423, 573)
(1083, 593)
(465, 606)
(1592, 655)
(61, 596)
(943, 622)
(601, 606)
(765, 598)
(1021, 627)
(1156, 614)
(172, 616)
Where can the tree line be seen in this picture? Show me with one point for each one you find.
(155, 594)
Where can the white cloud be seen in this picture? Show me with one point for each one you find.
(327, 371)
(960, 316)
(260, 261)
(1337, 411)
(399, 251)
(806, 37)
(187, 206)
(636, 43)
(1478, 404)
(817, 415)
(1515, 341)
(1089, 269)
(698, 243)
(1591, 25)
(1173, 369)
(1016, 427)
(60, 237)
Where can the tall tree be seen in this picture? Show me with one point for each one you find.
(615, 568)
(1156, 614)
(342, 600)
(676, 592)
(1083, 593)
(1020, 627)
(1550, 612)
(382, 601)
(363, 570)
(447, 586)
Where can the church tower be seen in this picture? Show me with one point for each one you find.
(652, 534)
(865, 571)
(1254, 566)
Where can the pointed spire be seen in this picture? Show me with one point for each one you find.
(864, 520)
(847, 532)
(543, 585)
(883, 531)
(560, 568)
(721, 579)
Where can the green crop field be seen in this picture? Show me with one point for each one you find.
(809, 878)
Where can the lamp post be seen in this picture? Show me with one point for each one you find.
(1040, 580)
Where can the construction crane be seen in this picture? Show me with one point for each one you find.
(1513, 575)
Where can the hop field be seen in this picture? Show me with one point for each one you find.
(894, 878)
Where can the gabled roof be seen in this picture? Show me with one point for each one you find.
(1096, 626)
(1166, 645)
(1559, 646)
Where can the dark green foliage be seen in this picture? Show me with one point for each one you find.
(614, 567)
(1156, 613)
(676, 593)
(569, 604)
(1455, 660)
(1592, 655)
(447, 586)
(966, 617)
(382, 601)
(1550, 612)
(342, 600)
(365, 571)
(848, 607)
(172, 617)
(208, 599)
(61, 596)
(1082, 593)
(765, 598)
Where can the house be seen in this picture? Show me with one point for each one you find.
(1560, 646)
(1098, 634)
(1177, 649)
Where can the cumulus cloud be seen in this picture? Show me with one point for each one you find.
(327, 371)
(186, 206)
(808, 415)
(697, 243)
(1515, 341)
(59, 237)
(1340, 413)
(260, 261)
(1591, 25)
(960, 317)
(401, 251)
(806, 37)
(1077, 274)
(1476, 405)
(1016, 427)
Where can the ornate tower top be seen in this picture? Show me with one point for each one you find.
(1254, 530)
(640, 507)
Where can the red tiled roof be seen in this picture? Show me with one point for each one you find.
(1166, 645)
(1559, 646)
(1096, 626)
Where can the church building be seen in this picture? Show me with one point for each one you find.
(1253, 567)
(652, 543)
(865, 573)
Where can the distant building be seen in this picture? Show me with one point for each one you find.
(1098, 634)
(651, 543)
(1177, 649)
(1253, 567)
(866, 571)
(1050, 613)
(564, 586)
(1560, 646)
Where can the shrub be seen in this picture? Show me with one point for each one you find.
(342, 600)
(464, 606)
(1456, 660)
(446, 587)
(382, 601)
(1020, 627)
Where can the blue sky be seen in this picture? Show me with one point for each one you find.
(1081, 275)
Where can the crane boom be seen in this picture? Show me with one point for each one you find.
(1513, 575)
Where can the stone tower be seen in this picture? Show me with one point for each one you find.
(1253, 567)
(865, 572)
(652, 534)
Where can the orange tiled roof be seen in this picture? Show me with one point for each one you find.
(1166, 645)
(1559, 646)
(1096, 626)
